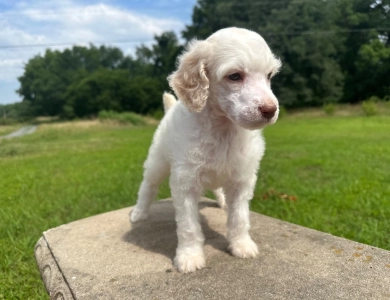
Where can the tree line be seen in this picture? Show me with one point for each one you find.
(331, 50)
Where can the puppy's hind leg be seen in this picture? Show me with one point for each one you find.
(155, 172)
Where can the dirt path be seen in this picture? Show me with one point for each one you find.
(22, 131)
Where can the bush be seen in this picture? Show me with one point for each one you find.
(67, 112)
(374, 99)
(157, 114)
(329, 109)
(369, 106)
(123, 118)
(387, 102)
(7, 121)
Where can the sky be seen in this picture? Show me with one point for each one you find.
(27, 28)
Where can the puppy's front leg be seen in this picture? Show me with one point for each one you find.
(189, 252)
(238, 195)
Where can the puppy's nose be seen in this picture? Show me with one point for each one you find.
(267, 111)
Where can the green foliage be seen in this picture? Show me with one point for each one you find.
(81, 81)
(160, 59)
(363, 58)
(144, 95)
(100, 90)
(16, 112)
(47, 78)
(113, 90)
(157, 114)
(68, 112)
(326, 49)
(369, 107)
(373, 70)
(123, 118)
(310, 71)
(7, 121)
(375, 99)
(329, 108)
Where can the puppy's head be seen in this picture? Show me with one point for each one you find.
(232, 69)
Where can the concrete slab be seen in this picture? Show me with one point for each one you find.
(105, 257)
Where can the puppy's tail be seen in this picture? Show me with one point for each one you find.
(169, 100)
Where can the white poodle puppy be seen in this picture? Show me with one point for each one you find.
(210, 139)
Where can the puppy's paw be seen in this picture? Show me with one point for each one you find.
(221, 202)
(243, 248)
(220, 197)
(138, 215)
(187, 263)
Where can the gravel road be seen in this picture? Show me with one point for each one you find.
(22, 131)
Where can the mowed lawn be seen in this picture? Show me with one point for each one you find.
(327, 173)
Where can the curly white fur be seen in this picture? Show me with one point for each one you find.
(211, 140)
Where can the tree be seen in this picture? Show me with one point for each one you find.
(302, 34)
(366, 21)
(79, 82)
(310, 72)
(112, 90)
(211, 15)
(159, 60)
(373, 70)
(46, 78)
(43, 84)
(319, 42)
(17, 111)
(100, 90)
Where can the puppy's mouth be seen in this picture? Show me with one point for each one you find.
(253, 125)
(255, 121)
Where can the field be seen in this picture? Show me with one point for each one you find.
(5, 129)
(327, 173)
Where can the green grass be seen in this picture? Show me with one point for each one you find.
(5, 129)
(53, 177)
(338, 170)
(327, 173)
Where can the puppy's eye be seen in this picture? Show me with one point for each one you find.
(234, 77)
(269, 76)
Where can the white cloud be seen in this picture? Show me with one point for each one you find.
(11, 66)
(100, 21)
(53, 22)
(10, 35)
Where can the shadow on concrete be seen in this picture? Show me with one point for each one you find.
(158, 232)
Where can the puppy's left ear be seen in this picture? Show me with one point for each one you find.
(190, 81)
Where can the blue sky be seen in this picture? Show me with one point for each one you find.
(67, 22)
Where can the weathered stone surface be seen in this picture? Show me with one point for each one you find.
(105, 257)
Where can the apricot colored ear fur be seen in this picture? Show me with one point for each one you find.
(190, 81)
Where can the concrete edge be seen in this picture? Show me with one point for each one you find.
(52, 277)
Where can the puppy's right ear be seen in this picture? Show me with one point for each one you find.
(190, 81)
